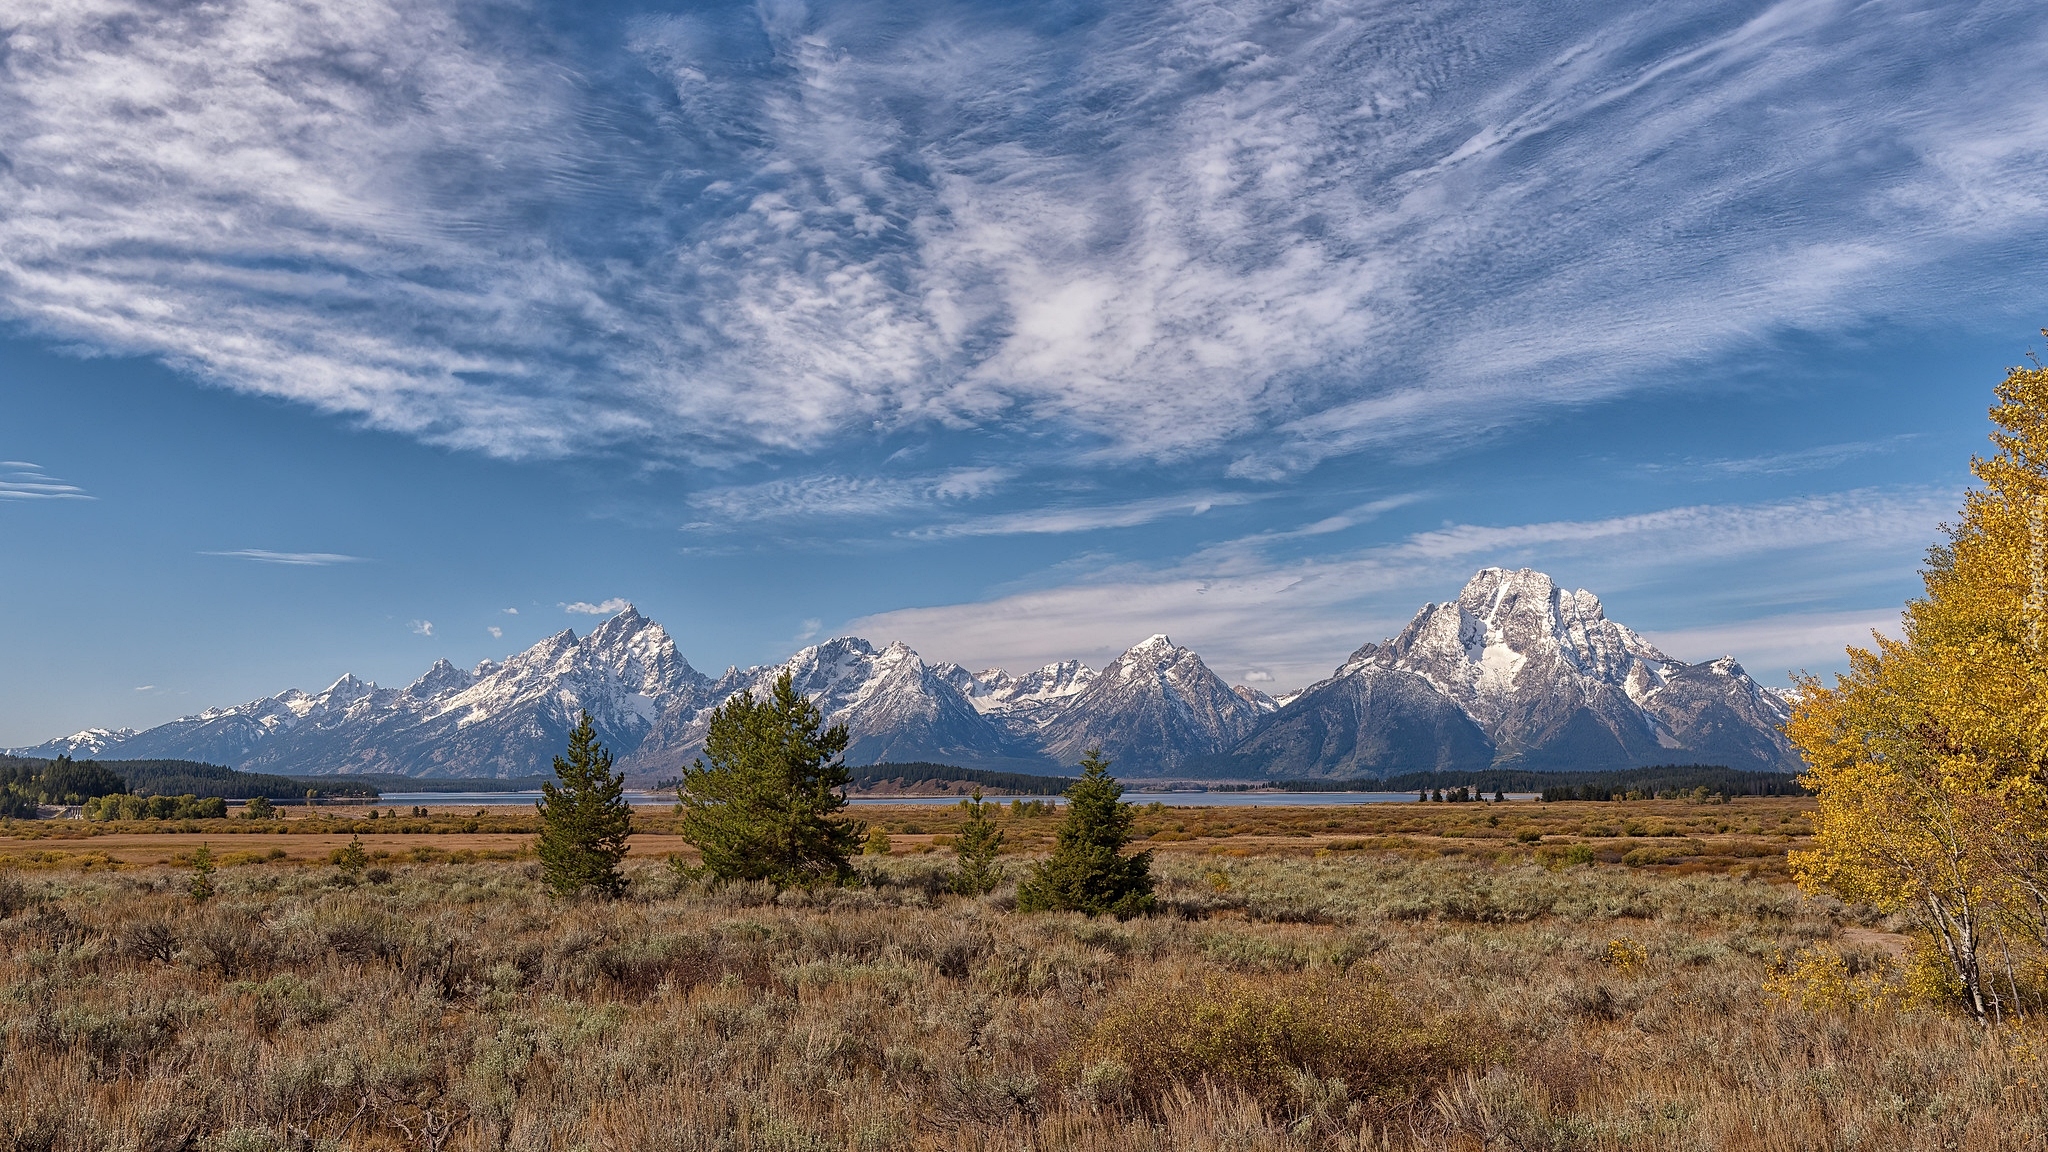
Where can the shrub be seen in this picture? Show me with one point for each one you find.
(1260, 1034)
(877, 843)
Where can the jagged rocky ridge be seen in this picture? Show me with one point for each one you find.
(1514, 671)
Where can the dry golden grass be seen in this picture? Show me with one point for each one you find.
(1748, 836)
(1292, 996)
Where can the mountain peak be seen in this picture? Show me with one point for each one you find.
(1161, 708)
(348, 687)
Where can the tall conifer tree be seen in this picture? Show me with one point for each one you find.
(584, 820)
(763, 801)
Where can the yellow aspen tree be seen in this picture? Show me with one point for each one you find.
(1928, 754)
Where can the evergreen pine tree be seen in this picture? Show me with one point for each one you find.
(765, 806)
(584, 821)
(1087, 871)
(978, 844)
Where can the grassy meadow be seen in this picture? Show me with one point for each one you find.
(1627, 975)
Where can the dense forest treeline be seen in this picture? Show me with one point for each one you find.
(1649, 782)
(918, 771)
(377, 783)
(26, 782)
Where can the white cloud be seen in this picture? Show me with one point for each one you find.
(294, 559)
(422, 627)
(511, 611)
(1305, 231)
(495, 631)
(844, 496)
(1297, 618)
(21, 480)
(145, 687)
(1048, 521)
(1773, 645)
(611, 607)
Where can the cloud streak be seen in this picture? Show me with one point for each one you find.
(1304, 231)
(1060, 521)
(21, 480)
(290, 559)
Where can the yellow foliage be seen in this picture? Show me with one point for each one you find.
(1818, 979)
(1625, 955)
(1928, 755)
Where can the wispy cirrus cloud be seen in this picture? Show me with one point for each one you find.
(1305, 231)
(1294, 618)
(840, 495)
(1081, 518)
(21, 480)
(291, 559)
(1819, 458)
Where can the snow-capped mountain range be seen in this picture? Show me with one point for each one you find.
(1515, 670)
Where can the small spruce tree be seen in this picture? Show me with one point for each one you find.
(351, 859)
(1087, 871)
(584, 820)
(978, 844)
(763, 801)
(201, 884)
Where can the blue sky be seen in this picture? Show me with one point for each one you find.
(348, 336)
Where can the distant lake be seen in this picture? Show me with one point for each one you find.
(1170, 799)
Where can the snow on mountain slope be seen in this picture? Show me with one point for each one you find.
(1020, 705)
(1543, 675)
(895, 707)
(1154, 708)
(505, 719)
(1370, 721)
(86, 745)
